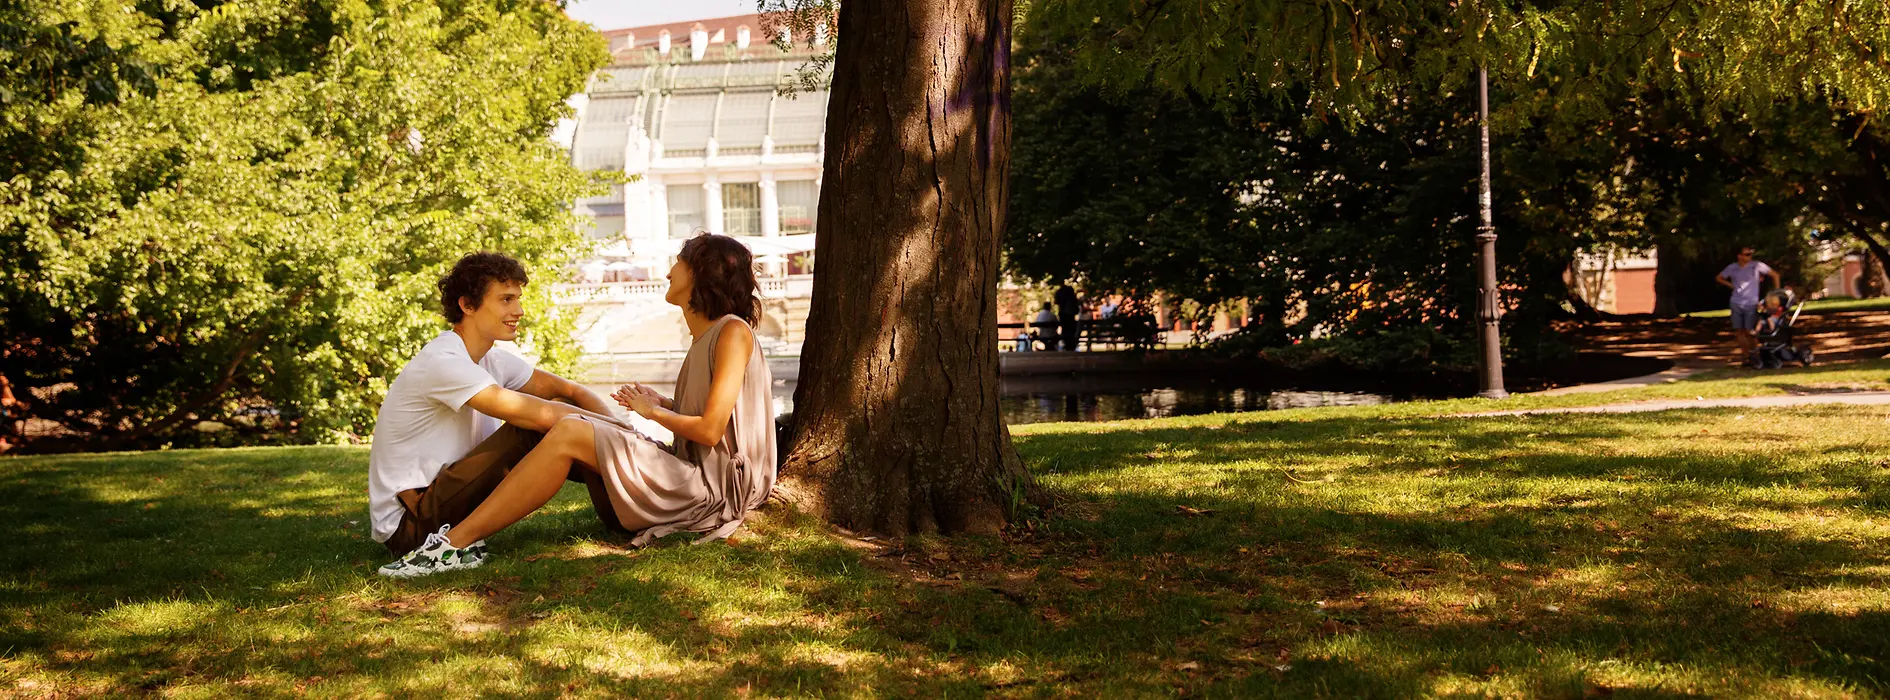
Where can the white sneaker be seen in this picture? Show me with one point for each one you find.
(436, 555)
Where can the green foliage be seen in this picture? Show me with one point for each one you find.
(1363, 235)
(204, 211)
(1348, 59)
(1407, 349)
(1315, 231)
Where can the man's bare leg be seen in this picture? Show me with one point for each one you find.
(570, 444)
(1748, 343)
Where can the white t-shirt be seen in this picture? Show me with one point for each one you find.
(1745, 282)
(424, 423)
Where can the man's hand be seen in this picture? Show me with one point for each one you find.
(524, 410)
(546, 385)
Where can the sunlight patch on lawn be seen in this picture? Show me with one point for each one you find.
(1847, 599)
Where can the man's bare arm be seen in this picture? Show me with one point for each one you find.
(551, 387)
(524, 410)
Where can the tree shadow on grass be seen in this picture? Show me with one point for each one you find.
(226, 576)
(1545, 590)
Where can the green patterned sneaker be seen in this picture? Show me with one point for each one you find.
(436, 555)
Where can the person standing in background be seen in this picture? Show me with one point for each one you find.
(1067, 306)
(1742, 277)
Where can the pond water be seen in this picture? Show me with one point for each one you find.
(1116, 396)
(1119, 396)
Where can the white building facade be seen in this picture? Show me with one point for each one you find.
(696, 113)
(706, 119)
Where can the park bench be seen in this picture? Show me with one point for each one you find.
(1040, 333)
(1136, 331)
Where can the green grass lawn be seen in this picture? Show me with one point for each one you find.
(1816, 306)
(1729, 382)
(1344, 552)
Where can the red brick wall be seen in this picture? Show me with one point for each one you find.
(1634, 291)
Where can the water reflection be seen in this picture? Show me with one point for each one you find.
(1162, 402)
(1116, 397)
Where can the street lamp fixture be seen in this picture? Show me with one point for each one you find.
(1489, 304)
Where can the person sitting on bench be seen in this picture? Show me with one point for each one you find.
(1044, 327)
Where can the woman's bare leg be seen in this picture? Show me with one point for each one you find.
(570, 444)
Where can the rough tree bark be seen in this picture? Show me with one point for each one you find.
(896, 416)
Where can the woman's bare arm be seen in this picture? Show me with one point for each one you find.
(727, 369)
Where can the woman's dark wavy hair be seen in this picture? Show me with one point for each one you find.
(724, 272)
(470, 277)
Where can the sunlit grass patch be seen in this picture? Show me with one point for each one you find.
(1816, 306)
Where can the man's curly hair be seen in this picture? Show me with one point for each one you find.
(470, 277)
(725, 278)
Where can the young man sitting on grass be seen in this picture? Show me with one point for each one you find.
(439, 449)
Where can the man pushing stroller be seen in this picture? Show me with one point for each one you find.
(1743, 277)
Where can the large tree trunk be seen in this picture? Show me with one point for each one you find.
(1667, 282)
(896, 418)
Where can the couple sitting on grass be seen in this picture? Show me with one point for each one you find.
(444, 473)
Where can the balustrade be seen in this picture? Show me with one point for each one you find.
(601, 292)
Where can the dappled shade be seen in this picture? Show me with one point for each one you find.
(1347, 551)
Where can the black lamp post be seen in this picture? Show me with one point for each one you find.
(1489, 304)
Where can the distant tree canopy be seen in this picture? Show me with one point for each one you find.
(1316, 230)
(1348, 58)
(1324, 178)
(209, 209)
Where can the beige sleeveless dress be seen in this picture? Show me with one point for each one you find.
(657, 490)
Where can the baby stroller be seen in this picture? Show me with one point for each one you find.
(1774, 333)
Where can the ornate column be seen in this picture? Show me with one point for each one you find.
(659, 208)
(771, 218)
(712, 204)
(770, 207)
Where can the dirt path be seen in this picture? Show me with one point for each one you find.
(1856, 398)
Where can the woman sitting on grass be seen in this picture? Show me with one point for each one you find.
(723, 462)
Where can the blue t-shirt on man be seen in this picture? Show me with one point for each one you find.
(1745, 283)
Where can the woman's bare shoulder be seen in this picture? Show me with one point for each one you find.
(736, 337)
(737, 328)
